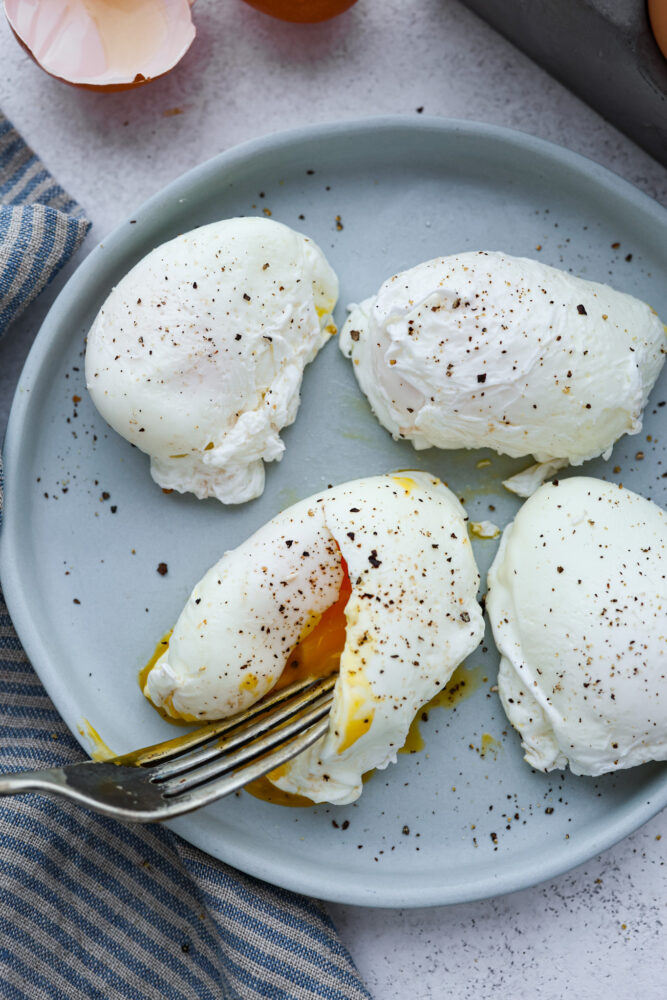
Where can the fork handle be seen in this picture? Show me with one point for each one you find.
(48, 780)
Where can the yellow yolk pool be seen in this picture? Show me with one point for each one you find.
(98, 749)
(145, 671)
(460, 686)
(160, 648)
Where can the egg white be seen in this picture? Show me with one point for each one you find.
(412, 617)
(577, 601)
(481, 349)
(197, 355)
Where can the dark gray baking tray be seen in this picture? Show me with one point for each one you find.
(603, 50)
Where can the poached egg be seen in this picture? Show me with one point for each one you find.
(375, 578)
(577, 601)
(484, 350)
(197, 355)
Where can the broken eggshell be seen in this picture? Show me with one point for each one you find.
(102, 46)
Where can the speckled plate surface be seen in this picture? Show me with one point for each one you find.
(465, 817)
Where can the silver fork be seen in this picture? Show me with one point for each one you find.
(175, 777)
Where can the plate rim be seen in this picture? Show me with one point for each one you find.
(514, 879)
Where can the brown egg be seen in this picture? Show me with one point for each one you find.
(102, 46)
(302, 10)
(657, 12)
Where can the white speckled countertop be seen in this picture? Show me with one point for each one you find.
(594, 933)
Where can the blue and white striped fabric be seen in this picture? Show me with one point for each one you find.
(90, 908)
(40, 225)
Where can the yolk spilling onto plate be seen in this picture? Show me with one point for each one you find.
(463, 682)
(145, 671)
(317, 654)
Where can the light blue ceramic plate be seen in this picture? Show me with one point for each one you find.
(405, 190)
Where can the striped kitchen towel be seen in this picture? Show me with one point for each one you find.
(40, 225)
(89, 907)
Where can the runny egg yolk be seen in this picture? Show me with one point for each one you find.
(318, 653)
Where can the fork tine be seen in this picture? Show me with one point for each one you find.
(205, 794)
(182, 745)
(224, 762)
(241, 737)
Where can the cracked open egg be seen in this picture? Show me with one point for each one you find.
(484, 350)
(577, 601)
(100, 45)
(374, 579)
(197, 355)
